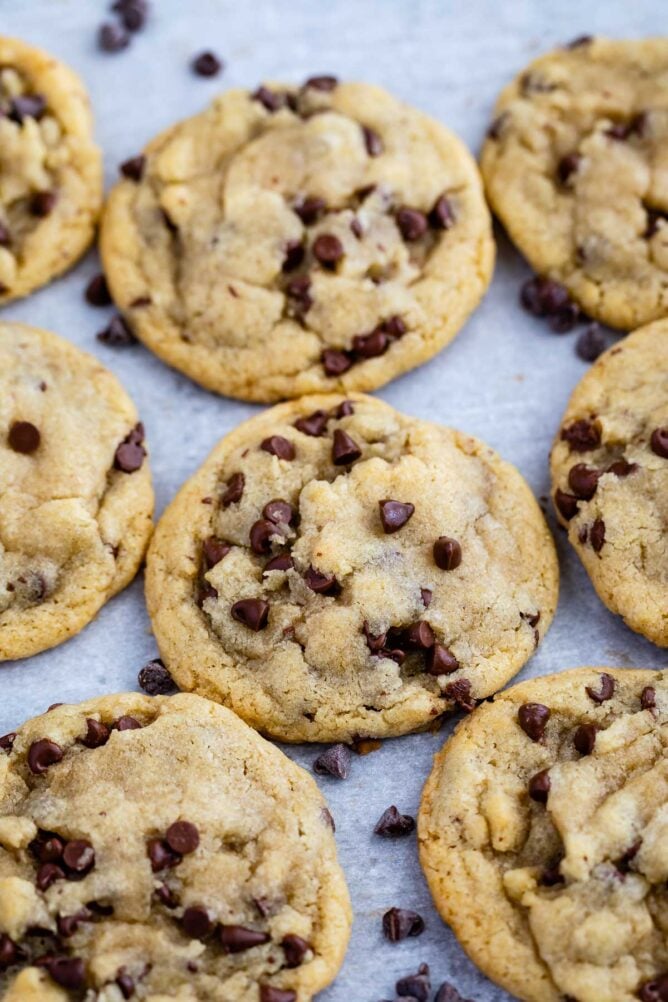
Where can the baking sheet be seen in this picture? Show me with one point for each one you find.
(506, 378)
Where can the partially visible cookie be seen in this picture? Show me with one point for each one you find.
(336, 569)
(542, 834)
(299, 239)
(610, 478)
(50, 169)
(574, 168)
(157, 848)
(75, 489)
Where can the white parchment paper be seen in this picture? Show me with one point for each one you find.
(506, 378)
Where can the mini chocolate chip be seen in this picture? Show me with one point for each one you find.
(251, 612)
(213, 550)
(42, 754)
(328, 250)
(196, 922)
(583, 481)
(297, 289)
(420, 635)
(659, 442)
(310, 210)
(270, 994)
(582, 436)
(460, 692)
(43, 203)
(126, 723)
(47, 875)
(207, 64)
(334, 762)
(276, 445)
(394, 514)
(282, 562)
(426, 594)
(336, 362)
(313, 424)
(597, 535)
(372, 141)
(539, 786)
(279, 512)
(295, 949)
(371, 345)
(568, 166)
(154, 678)
(237, 938)
(400, 923)
(320, 583)
(584, 738)
(566, 504)
(533, 718)
(125, 984)
(7, 741)
(68, 924)
(161, 855)
(447, 553)
(27, 106)
(324, 82)
(605, 691)
(261, 534)
(566, 319)
(294, 255)
(182, 837)
(79, 856)
(166, 896)
(97, 291)
(412, 223)
(344, 449)
(117, 333)
(648, 698)
(23, 437)
(97, 733)
(622, 468)
(130, 454)
(392, 824)
(440, 660)
(8, 951)
(590, 343)
(112, 37)
(234, 490)
(415, 987)
(543, 297)
(133, 169)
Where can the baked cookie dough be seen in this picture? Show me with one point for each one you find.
(338, 570)
(157, 848)
(299, 239)
(542, 834)
(75, 489)
(574, 168)
(50, 169)
(610, 478)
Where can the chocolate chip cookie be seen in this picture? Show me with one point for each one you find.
(75, 489)
(158, 848)
(50, 169)
(338, 570)
(299, 239)
(610, 478)
(542, 835)
(573, 166)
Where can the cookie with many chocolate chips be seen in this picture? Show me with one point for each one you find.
(50, 169)
(573, 166)
(299, 239)
(610, 478)
(542, 835)
(353, 572)
(75, 489)
(158, 848)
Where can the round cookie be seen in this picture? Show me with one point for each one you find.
(75, 490)
(573, 166)
(542, 836)
(297, 240)
(50, 169)
(338, 570)
(610, 478)
(165, 851)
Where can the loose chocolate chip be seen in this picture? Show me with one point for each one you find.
(295, 949)
(583, 481)
(372, 141)
(270, 994)
(261, 534)
(441, 661)
(447, 553)
(154, 678)
(328, 250)
(648, 698)
(324, 82)
(568, 166)
(597, 535)
(420, 635)
(117, 333)
(426, 595)
(97, 733)
(533, 718)
(130, 454)
(47, 875)
(234, 490)
(7, 741)
(8, 951)
(79, 856)
(27, 106)
(582, 436)
(23, 437)
(196, 922)
(460, 693)
(182, 837)
(655, 990)
(344, 449)
(416, 987)
(392, 824)
(97, 291)
(334, 762)
(133, 168)
(539, 786)
(236, 938)
(605, 690)
(42, 754)
(160, 855)
(112, 37)
(566, 319)
(566, 504)
(591, 343)
(394, 514)
(207, 64)
(584, 738)
(213, 550)
(400, 923)
(125, 984)
(412, 223)
(543, 297)
(336, 362)
(279, 512)
(251, 612)
(126, 723)
(310, 210)
(133, 13)
(276, 445)
(320, 583)
(659, 442)
(314, 424)
(371, 345)
(283, 562)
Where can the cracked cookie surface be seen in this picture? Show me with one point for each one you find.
(299, 240)
(574, 168)
(75, 490)
(50, 169)
(610, 478)
(336, 569)
(158, 848)
(542, 836)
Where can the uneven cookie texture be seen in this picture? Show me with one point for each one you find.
(299, 239)
(50, 169)
(338, 570)
(542, 835)
(573, 166)
(75, 489)
(610, 478)
(158, 848)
